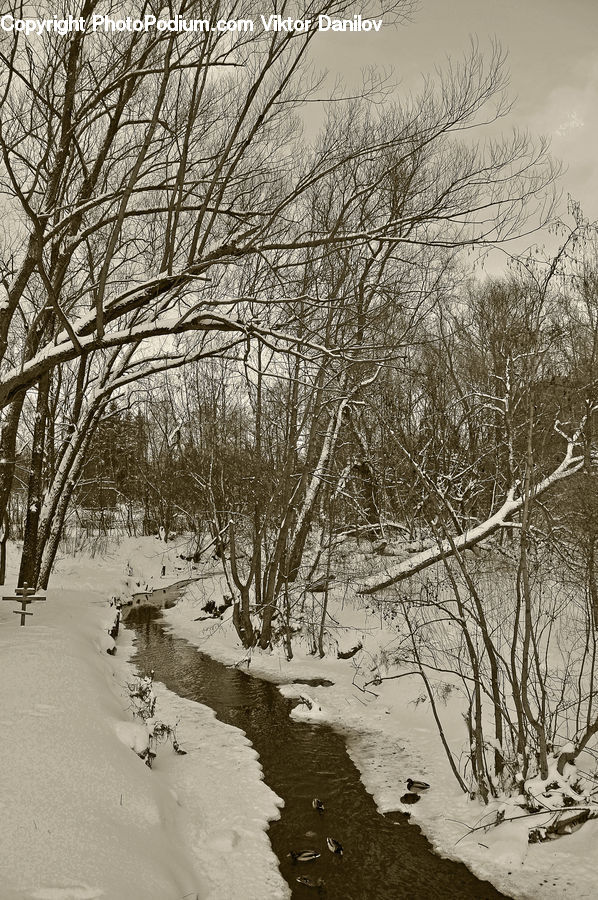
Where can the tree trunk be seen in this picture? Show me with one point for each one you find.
(368, 483)
(80, 438)
(241, 614)
(8, 444)
(4, 531)
(35, 486)
(60, 507)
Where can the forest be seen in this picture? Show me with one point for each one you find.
(262, 314)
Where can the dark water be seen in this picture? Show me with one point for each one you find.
(384, 858)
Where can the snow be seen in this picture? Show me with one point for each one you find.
(82, 816)
(308, 709)
(391, 736)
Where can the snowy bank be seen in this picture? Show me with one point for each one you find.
(82, 816)
(391, 736)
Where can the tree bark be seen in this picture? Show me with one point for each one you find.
(35, 486)
(8, 453)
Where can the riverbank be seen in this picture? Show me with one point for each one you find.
(391, 736)
(383, 857)
(82, 816)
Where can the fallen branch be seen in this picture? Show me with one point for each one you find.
(527, 815)
(348, 654)
(443, 549)
(564, 823)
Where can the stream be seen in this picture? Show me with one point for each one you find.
(384, 857)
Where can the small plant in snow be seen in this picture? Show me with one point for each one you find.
(162, 732)
(443, 691)
(143, 702)
(143, 699)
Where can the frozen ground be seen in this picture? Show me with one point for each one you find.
(82, 816)
(391, 736)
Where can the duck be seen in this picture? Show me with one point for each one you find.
(309, 882)
(317, 804)
(417, 786)
(304, 855)
(410, 798)
(334, 846)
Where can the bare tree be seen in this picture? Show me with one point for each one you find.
(142, 172)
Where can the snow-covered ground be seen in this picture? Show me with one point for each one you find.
(82, 816)
(391, 736)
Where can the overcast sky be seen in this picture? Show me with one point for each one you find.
(552, 56)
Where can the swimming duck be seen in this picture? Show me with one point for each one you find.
(304, 855)
(317, 804)
(417, 786)
(410, 798)
(309, 882)
(334, 846)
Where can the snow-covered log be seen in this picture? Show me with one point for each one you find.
(349, 654)
(570, 464)
(565, 822)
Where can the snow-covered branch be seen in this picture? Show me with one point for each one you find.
(570, 464)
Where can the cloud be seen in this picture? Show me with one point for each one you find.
(572, 122)
(568, 115)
